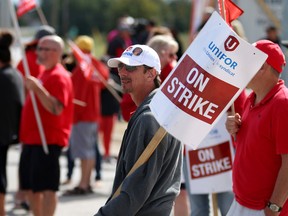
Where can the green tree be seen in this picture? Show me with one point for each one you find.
(87, 16)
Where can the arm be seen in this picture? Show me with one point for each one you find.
(50, 103)
(280, 193)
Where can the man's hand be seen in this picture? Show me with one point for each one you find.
(233, 124)
(268, 212)
(49, 102)
(32, 83)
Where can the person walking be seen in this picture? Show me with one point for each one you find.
(260, 177)
(153, 187)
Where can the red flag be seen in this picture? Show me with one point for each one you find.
(231, 10)
(83, 59)
(24, 6)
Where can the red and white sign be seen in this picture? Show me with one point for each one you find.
(210, 161)
(211, 74)
(209, 167)
(24, 6)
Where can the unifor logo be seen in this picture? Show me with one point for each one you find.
(231, 43)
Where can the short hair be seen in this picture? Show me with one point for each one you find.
(157, 80)
(160, 42)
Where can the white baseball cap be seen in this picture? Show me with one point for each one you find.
(138, 55)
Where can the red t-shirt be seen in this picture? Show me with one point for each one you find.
(239, 102)
(88, 91)
(260, 142)
(128, 106)
(57, 128)
(34, 68)
(166, 71)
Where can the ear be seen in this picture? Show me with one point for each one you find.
(151, 73)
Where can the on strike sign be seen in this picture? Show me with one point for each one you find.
(189, 89)
(210, 161)
(209, 168)
(211, 74)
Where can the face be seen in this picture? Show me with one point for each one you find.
(132, 77)
(47, 53)
(168, 56)
(257, 78)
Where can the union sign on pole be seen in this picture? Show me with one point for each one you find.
(211, 74)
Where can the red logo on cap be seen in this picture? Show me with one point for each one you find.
(231, 43)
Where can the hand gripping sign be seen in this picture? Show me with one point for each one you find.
(211, 74)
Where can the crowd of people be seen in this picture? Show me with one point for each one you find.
(78, 112)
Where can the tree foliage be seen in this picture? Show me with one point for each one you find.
(86, 16)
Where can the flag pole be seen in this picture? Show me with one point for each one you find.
(191, 20)
(223, 10)
(213, 195)
(27, 73)
(154, 142)
(41, 15)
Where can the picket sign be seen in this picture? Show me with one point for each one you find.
(210, 75)
(210, 165)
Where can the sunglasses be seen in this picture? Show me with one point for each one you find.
(127, 67)
(46, 49)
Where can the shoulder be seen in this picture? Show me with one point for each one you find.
(58, 77)
(60, 72)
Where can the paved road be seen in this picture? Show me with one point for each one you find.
(69, 205)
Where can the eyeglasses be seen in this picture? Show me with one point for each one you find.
(46, 49)
(127, 67)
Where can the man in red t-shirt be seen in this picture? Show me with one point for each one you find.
(53, 90)
(260, 176)
(34, 69)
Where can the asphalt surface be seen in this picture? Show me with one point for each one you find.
(76, 205)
